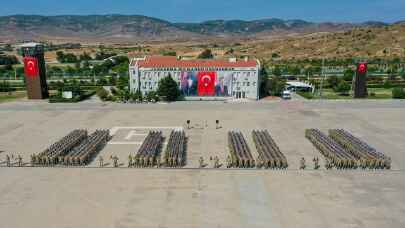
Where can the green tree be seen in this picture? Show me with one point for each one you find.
(169, 53)
(8, 48)
(122, 83)
(85, 57)
(387, 84)
(168, 88)
(342, 88)
(264, 77)
(333, 81)
(276, 85)
(60, 56)
(403, 74)
(206, 54)
(398, 93)
(348, 74)
(277, 71)
(275, 55)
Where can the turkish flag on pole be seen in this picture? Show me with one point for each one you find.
(31, 67)
(206, 83)
(362, 68)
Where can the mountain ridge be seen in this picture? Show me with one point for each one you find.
(115, 27)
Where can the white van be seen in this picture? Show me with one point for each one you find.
(286, 95)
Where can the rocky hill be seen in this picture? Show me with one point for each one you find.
(129, 28)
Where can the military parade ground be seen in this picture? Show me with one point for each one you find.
(203, 164)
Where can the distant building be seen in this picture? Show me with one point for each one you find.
(210, 78)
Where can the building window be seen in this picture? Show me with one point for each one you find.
(247, 83)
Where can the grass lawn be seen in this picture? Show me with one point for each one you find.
(379, 93)
(4, 97)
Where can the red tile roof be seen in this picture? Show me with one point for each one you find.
(173, 62)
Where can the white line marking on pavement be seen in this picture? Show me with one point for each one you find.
(128, 143)
(125, 143)
(114, 130)
(132, 134)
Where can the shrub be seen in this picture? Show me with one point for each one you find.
(206, 54)
(398, 93)
(343, 88)
(333, 81)
(387, 84)
(102, 94)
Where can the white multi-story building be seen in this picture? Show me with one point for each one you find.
(223, 78)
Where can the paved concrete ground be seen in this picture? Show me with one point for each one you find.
(108, 197)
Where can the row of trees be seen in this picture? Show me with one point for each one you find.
(8, 60)
(63, 57)
(118, 65)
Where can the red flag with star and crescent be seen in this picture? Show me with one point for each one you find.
(206, 83)
(362, 68)
(31, 67)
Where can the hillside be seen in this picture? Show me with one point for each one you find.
(271, 39)
(130, 28)
(88, 28)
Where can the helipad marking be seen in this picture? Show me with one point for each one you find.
(133, 132)
(114, 130)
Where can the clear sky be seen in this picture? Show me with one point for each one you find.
(200, 10)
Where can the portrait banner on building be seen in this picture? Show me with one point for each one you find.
(223, 84)
(188, 84)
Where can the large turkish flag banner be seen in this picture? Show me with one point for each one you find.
(31, 67)
(206, 83)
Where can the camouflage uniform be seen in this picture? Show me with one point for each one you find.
(20, 161)
(101, 161)
(130, 161)
(316, 163)
(201, 161)
(302, 163)
(228, 162)
(216, 162)
(8, 161)
(115, 161)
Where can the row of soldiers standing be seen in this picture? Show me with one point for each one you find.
(12, 157)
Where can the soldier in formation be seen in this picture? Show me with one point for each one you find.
(33, 159)
(316, 163)
(130, 161)
(228, 162)
(101, 161)
(20, 161)
(328, 164)
(201, 162)
(115, 161)
(302, 163)
(216, 162)
(8, 161)
(158, 162)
